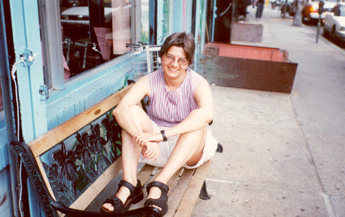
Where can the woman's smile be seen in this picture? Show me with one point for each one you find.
(172, 63)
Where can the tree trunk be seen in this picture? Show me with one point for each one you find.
(297, 21)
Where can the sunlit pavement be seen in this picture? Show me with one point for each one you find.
(284, 154)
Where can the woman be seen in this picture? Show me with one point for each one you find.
(174, 133)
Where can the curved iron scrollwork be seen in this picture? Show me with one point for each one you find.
(24, 152)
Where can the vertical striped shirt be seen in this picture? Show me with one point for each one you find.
(169, 108)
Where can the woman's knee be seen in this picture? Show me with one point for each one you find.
(136, 111)
(197, 137)
(199, 140)
(141, 118)
(198, 134)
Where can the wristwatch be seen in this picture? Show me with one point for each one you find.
(164, 136)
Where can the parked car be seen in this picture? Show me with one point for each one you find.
(334, 24)
(310, 10)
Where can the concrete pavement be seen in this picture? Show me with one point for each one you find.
(284, 154)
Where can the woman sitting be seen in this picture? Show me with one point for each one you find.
(174, 132)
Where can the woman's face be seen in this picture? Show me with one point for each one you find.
(174, 62)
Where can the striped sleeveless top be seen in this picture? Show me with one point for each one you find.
(169, 108)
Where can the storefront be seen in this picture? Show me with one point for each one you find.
(67, 55)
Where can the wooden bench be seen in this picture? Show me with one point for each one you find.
(72, 163)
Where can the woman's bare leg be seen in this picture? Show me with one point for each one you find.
(188, 150)
(131, 153)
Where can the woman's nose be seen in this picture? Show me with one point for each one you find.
(175, 62)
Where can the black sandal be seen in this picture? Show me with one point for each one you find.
(162, 202)
(135, 196)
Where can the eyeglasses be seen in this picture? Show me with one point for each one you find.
(170, 58)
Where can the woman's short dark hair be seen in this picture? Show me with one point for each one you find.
(180, 39)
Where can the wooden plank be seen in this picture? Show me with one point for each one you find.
(176, 193)
(171, 182)
(97, 186)
(192, 193)
(43, 143)
(145, 173)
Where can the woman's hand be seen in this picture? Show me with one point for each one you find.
(150, 150)
(149, 144)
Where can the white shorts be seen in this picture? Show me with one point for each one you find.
(166, 148)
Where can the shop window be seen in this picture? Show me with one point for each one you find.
(92, 32)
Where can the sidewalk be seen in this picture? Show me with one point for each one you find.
(284, 154)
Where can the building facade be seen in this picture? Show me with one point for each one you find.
(60, 57)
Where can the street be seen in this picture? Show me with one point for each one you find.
(314, 28)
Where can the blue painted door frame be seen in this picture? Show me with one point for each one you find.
(28, 55)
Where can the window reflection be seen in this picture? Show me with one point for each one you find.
(93, 31)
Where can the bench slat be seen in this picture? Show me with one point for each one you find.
(145, 173)
(48, 140)
(174, 179)
(184, 182)
(177, 192)
(154, 172)
(191, 195)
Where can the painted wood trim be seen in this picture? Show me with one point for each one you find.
(26, 35)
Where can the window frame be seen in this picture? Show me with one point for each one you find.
(52, 42)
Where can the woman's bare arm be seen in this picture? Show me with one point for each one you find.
(200, 117)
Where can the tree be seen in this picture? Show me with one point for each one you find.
(297, 21)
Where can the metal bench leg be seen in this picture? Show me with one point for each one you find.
(219, 148)
(203, 192)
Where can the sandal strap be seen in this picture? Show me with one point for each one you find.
(128, 185)
(157, 202)
(160, 185)
(116, 202)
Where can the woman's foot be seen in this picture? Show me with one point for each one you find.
(126, 195)
(158, 196)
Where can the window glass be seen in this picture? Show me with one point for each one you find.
(93, 32)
